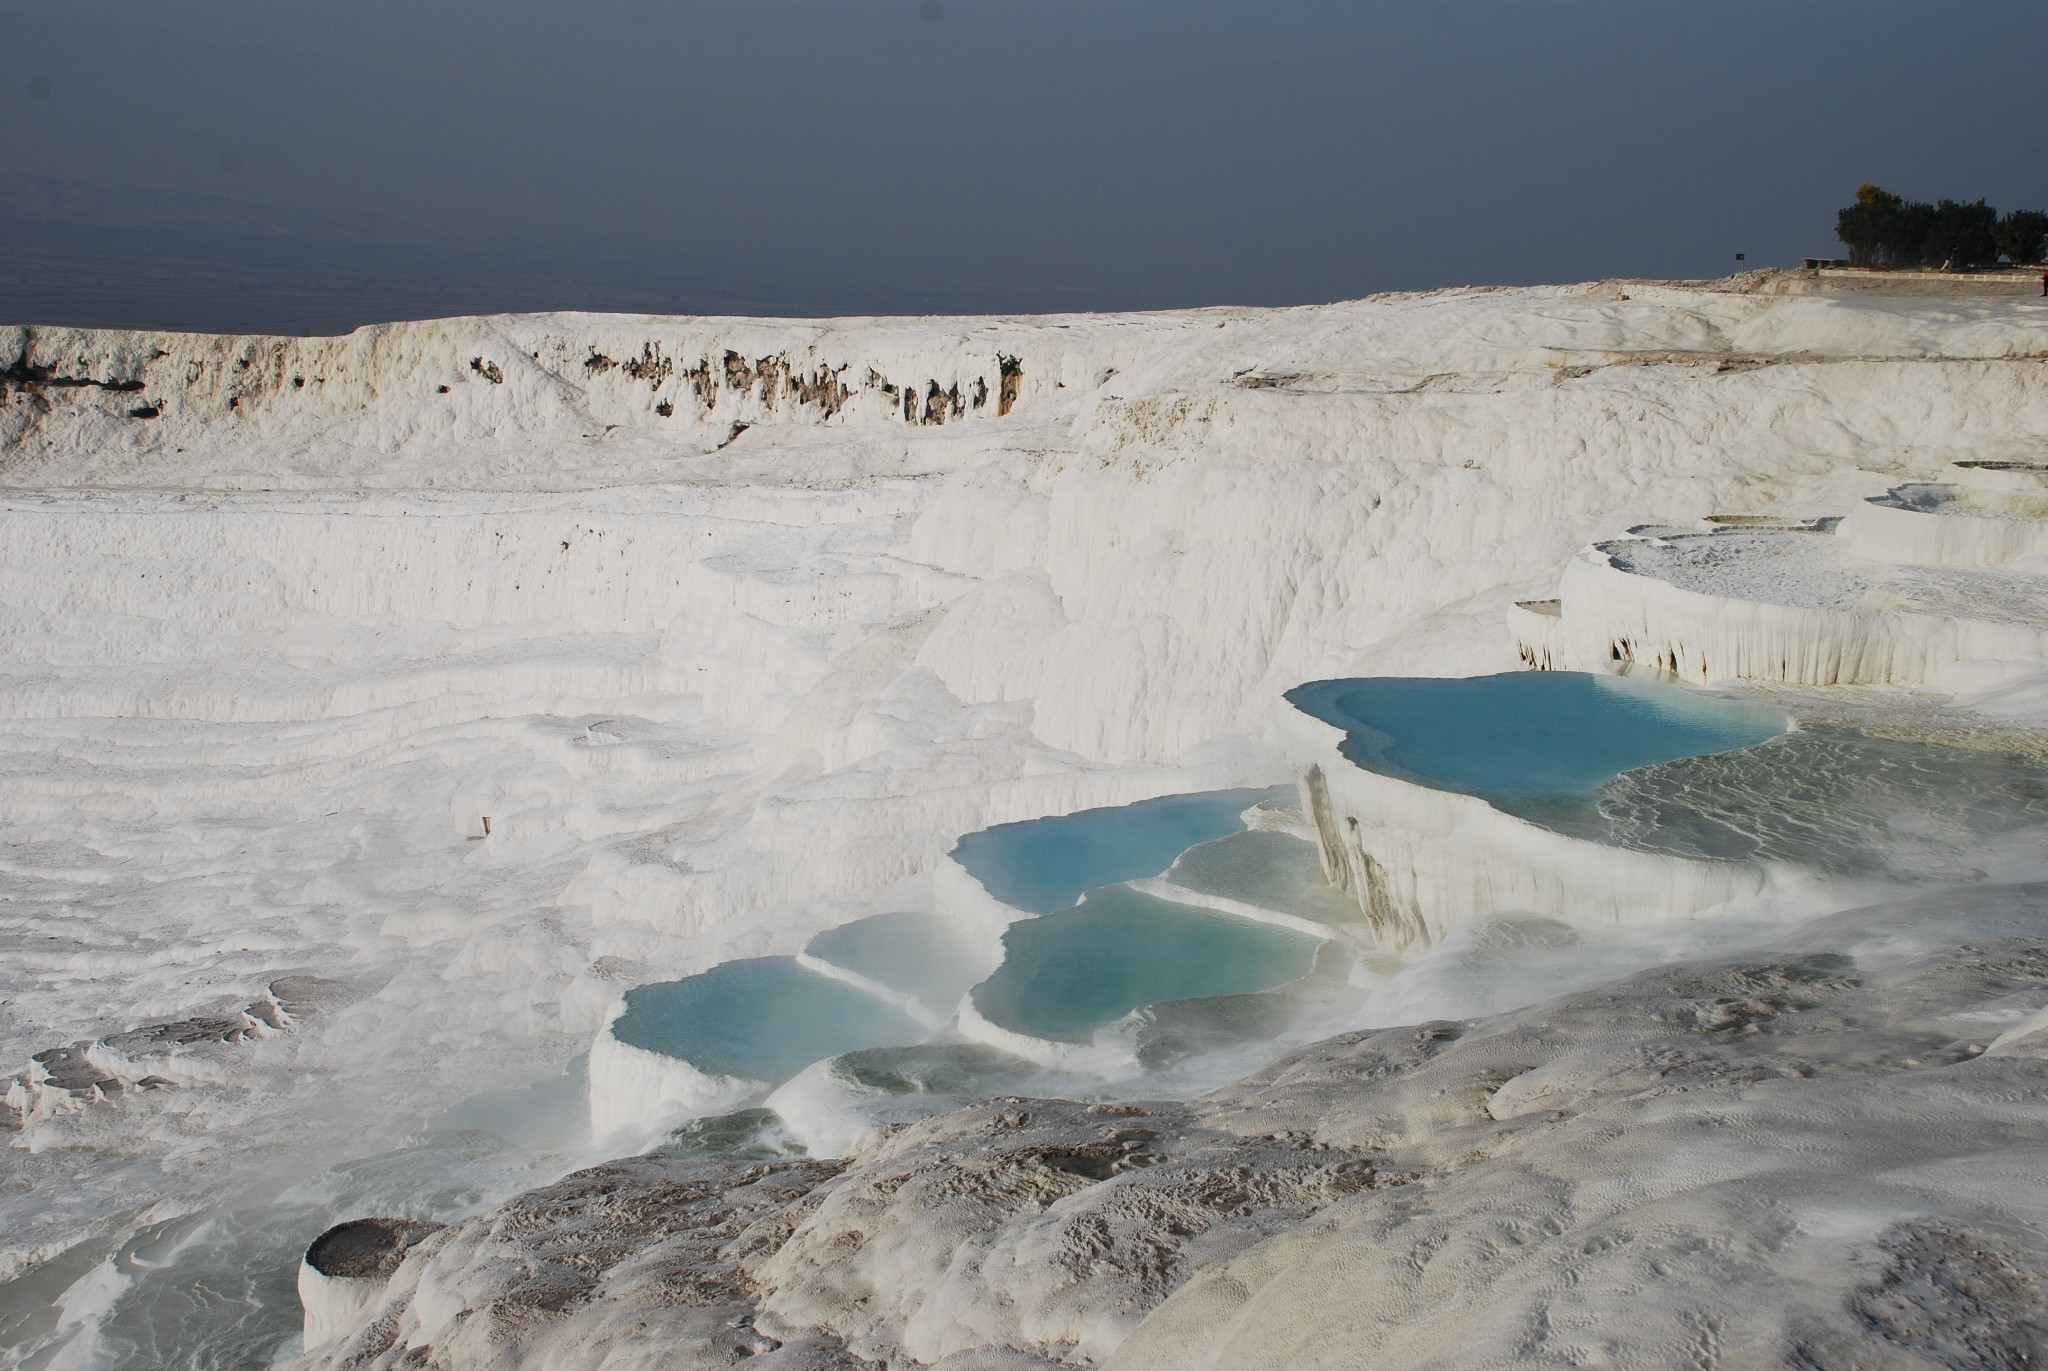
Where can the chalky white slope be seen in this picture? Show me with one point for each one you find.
(728, 628)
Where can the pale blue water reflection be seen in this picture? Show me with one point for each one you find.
(1041, 865)
(762, 1019)
(1554, 733)
(1067, 974)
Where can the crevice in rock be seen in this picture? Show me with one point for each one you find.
(26, 375)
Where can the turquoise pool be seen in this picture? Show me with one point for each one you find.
(1067, 974)
(1276, 871)
(1557, 733)
(762, 1019)
(1041, 865)
(920, 955)
(1079, 965)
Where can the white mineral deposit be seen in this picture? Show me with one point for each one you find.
(667, 840)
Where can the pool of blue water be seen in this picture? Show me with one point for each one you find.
(1555, 733)
(921, 955)
(763, 1019)
(1276, 871)
(1043, 865)
(1067, 974)
(1082, 964)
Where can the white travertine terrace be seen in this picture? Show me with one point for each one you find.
(1796, 607)
(2027, 480)
(1928, 584)
(335, 1304)
(1423, 862)
(730, 628)
(1537, 627)
(631, 1086)
(1993, 516)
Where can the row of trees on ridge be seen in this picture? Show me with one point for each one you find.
(1886, 230)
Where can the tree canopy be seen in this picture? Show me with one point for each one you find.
(1886, 230)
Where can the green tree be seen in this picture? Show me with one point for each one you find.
(1911, 232)
(1883, 229)
(1869, 227)
(2023, 236)
(1963, 234)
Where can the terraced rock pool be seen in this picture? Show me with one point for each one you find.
(1042, 865)
(1638, 761)
(1528, 732)
(1068, 974)
(1119, 912)
(1147, 934)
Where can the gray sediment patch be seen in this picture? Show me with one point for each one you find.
(366, 1249)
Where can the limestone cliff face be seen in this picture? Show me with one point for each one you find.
(76, 392)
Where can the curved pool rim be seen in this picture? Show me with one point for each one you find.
(1552, 734)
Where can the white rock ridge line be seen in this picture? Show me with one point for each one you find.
(1173, 893)
(911, 1005)
(181, 1052)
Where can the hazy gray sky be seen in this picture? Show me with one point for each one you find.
(910, 155)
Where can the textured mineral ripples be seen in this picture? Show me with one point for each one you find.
(1823, 1154)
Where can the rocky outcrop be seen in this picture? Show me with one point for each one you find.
(61, 382)
(346, 1269)
(1803, 1148)
(154, 1056)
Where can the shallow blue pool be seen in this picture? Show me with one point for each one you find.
(1529, 732)
(763, 1019)
(1042, 865)
(1276, 871)
(1067, 974)
(920, 955)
